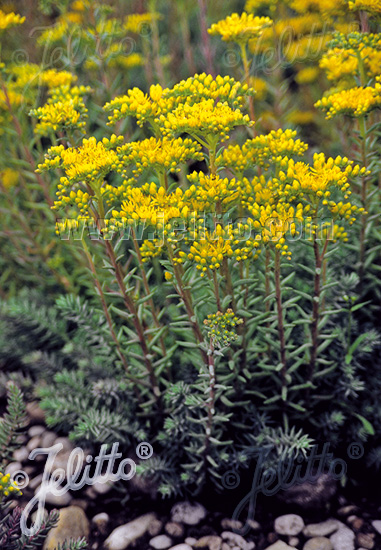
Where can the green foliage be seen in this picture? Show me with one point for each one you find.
(13, 420)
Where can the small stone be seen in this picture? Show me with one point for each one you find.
(67, 445)
(234, 539)
(318, 543)
(293, 541)
(36, 430)
(347, 510)
(225, 546)
(34, 443)
(310, 495)
(161, 542)
(174, 529)
(48, 439)
(210, 541)
(102, 487)
(155, 527)
(365, 540)
(376, 524)
(101, 522)
(55, 500)
(280, 545)
(254, 525)
(181, 547)
(231, 524)
(72, 524)
(356, 523)
(125, 535)
(21, 455)
(81, 503)
(190, 514)
(322, 529)
(35, 412)
(35, 482)
(343, 539)
(191, 541)
(289, 524)
(13, 467)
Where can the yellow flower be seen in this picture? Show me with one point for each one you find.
(136, 22)
(355, 101)
(9, 178)
(307, 75)
(8, 20)
(262, 150)
(240, 28)
(168, 276)
(372, 6)
(206, 118)
(159, 154)
(8, 486)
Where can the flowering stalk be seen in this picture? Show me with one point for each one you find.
(319, 262)
(278, 296)
(187, 300)
(210, 401)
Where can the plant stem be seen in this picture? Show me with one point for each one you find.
(216, 290)
(246, 69)
(187, 300)
(364, 197)
(319, 259)
(147, 289)
(210, 401)
(205, 37)
(278, 295)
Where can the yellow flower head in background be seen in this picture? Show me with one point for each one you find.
(372, 6)
(9, 178)
(136, 22)
(8, 20)
(240, 28)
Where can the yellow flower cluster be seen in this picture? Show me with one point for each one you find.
(306, 48)
(137, 21)
(256, 5)
(136, 103)
(203, 86)
(205, 118)
(8, 487)
(347, 52)
(372, 6)
(65, 109)
(210, 248)
(262, 150)
(240, 28)
(324, 7)
(163, 155)
(219, 327)
(355, 101)
(208, 190)
(149, 107)
(298, 26)
(307, 75)
(152, 249)
(8, 20)
(9, 178)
